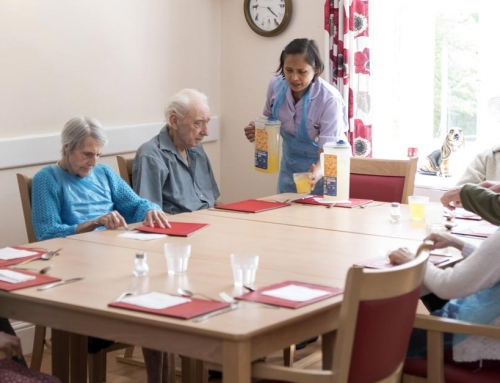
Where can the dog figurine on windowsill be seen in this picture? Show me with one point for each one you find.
(438, 162)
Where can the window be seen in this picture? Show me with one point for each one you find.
(434, 67)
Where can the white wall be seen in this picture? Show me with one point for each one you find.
(116, 60)
(247, 63)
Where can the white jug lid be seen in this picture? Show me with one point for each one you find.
(340, 144)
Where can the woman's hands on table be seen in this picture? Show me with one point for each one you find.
(156, 216)
(439, 241)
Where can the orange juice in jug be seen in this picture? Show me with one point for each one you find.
(267, 144)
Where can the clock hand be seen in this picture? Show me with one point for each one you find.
(270, 10)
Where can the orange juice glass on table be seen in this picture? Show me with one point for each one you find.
(302, 182)
(417, 204)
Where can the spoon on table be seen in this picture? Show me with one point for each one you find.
(187, 293)
(44, 257)
(45, 270)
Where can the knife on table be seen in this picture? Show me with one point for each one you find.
(201, 318)
(50, 285)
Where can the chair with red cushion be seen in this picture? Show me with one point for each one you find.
(375, 323)
(438, 368)
(382, 180)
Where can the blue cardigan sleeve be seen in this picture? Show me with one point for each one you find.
(126, 201)
(46, 207)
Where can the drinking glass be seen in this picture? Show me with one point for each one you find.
(177, 256)
(244, 269)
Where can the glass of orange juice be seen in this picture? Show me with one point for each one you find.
(417, 207)
(302, 182)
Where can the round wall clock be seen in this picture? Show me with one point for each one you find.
(268, 17)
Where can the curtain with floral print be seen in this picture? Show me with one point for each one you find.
(347, 22)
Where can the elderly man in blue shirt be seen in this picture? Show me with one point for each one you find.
(172, 169)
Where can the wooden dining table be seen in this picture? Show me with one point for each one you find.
(295, 243)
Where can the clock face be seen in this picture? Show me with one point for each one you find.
(268, 17)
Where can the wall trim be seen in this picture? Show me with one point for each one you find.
(45, 148)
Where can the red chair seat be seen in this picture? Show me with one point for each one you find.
(455, 373)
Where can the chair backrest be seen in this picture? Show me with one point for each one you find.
(376, 321)
(24, 183)
(374, 327)
(125, 168)
(382, 180)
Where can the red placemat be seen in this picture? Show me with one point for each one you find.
(257, 295)
(253, 205)
(178, 229)
(15, 261)
(310, 200)
(40, 279)
(187, 310)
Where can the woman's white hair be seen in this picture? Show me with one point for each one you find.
(180, 103)
(78, 129)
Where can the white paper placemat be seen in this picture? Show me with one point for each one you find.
(8, 253)
(296, 293)
(10, 276)
(140, 236)
(154, 300)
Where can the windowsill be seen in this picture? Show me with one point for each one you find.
(424, 181)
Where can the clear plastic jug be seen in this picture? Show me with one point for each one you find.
(336, 170)
(267, 144)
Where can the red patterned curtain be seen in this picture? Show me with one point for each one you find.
(347, 23)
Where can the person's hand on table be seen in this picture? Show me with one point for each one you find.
(315, 176)
(112, 220)
(10, 345)
(400, 256)
(441, 241)
(156, 216)
(451, 199)
(493, 186)
(250, 131)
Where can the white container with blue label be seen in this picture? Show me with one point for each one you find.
(336, 165)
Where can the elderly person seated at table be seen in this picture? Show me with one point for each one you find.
(172, 169)
(468, 291)
(482, 199)
(79, 195)
(484, 167)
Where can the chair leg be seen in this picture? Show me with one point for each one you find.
(38, 345)
(129, 352)
(288, 356)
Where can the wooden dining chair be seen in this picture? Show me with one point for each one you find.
(125, 168)
(382, 179)
(438, 369)
(375, 323)
(96, 362)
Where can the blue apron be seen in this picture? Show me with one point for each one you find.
(299, 152)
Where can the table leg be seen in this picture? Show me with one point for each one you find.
(236, 362)
(192, 370)
(60, 355)
(78, 358)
